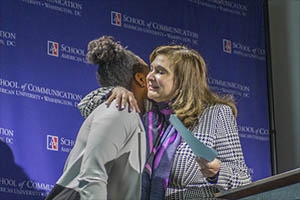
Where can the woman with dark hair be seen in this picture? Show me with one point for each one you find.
(107, 159)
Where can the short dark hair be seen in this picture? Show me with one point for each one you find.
(116, 64)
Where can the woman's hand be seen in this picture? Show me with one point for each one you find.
(123, 96)
(209, 169)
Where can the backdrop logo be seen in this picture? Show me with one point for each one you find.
(52, 143)
(226, 46)
(116, 18)
(53, 48)
(244, 50)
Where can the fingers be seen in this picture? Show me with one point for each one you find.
(133, 105)
(123, 97)
(208, 169)
(130, 99)
(121, 100)
(204, 167)
(112, 96)
(110, 99)
(208, 173)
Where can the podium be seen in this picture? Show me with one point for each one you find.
(284, 186)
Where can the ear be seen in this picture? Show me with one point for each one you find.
(140, 79)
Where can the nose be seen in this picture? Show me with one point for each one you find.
(150, 76)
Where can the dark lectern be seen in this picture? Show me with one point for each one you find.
(284, 186)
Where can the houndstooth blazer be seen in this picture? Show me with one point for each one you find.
(217, 128)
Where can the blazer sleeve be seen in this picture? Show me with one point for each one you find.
(233, 171)
(92, 100)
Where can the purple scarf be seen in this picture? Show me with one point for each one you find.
(162, 142)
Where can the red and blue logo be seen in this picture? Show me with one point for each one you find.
(53, 48)
(52, 143)
(226, 46)
(116, 18)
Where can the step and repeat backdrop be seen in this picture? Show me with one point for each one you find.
(44, 73)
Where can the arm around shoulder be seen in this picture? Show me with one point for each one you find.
(93, 100)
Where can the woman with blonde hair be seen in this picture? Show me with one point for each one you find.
(177, 83)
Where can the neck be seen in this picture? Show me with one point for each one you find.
(140, 102)
(140, 95)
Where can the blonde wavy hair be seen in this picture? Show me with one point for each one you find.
(192, 93)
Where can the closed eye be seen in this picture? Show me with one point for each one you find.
(158, 70)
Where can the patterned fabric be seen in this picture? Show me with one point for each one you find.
(162, 142)
(93, 100)
(216, 128)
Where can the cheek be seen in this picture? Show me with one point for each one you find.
(169, 82)
(147, 77)
(168, 86)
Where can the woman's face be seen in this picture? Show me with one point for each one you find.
(160, 80)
